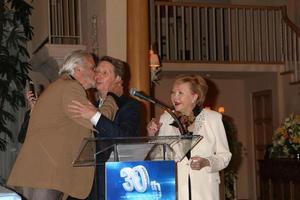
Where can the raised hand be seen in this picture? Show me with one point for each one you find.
(153, 127)
(31, 99)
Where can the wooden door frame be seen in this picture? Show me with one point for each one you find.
(261, 93)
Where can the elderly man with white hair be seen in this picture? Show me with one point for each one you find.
(43, 168)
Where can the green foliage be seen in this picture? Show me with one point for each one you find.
(230, 173)
(229, 176)
(15, 32)
(286, 138)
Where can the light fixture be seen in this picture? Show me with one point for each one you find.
(221, 109)
(155, 67)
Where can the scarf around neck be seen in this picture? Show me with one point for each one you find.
(185, 120)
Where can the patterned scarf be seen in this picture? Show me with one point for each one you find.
(185, 120)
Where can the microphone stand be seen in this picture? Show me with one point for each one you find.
(166, 108)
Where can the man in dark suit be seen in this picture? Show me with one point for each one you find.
(126, 123)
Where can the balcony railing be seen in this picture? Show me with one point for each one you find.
(226, 34)
(65, 21)
(190, 32)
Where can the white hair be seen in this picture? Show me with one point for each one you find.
(73, 60)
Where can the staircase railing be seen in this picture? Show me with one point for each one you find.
(291, 49)
(226, 34)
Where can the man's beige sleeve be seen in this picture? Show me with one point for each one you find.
(109, 108)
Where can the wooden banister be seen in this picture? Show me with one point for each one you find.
(222, 33)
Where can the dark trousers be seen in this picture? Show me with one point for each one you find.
(98, 189)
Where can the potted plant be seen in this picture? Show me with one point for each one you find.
(15, 32)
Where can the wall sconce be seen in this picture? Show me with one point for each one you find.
(155, 67)
(221, 109)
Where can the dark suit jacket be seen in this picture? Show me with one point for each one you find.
(126, 122)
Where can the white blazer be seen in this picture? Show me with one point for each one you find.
(213, 146)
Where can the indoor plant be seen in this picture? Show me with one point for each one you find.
(15, 32)
(230, 172)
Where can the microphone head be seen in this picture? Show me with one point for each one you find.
(132, 91)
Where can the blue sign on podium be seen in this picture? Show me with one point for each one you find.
(146, 180)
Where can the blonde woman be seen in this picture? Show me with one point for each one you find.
(198, 173)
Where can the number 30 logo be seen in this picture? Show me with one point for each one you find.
(136, 178)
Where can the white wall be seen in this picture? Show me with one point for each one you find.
(111, 30)
(289, 96)
(97, 10)
(232, 96)
(111, 16)
(116, 16)
(39, 21)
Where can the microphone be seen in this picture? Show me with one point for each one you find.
(138, 94)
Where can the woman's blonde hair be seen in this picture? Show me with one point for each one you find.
(197, 84)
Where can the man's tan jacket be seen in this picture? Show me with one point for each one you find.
(52, 141)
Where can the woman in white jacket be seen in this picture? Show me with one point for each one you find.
(198, 173)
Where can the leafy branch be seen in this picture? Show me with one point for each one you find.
(15, 32)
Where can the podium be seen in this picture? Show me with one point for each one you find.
(137, 167)
(134, 149)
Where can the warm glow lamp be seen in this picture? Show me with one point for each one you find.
(154, 64)
(221, 109)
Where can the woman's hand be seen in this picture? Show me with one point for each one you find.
(31, 99)
(198, 163)
(153, 127)
(81, 110)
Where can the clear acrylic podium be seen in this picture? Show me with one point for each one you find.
(97, 151)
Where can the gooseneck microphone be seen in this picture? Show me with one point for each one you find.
(140, 95)
(133, 92)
